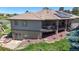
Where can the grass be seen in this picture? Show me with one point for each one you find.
(3, 17)
(62, 45)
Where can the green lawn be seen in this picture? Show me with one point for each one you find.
(62, 45)
(3, 17)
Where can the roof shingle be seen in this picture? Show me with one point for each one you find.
(45, 14)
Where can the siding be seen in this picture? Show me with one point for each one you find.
(27, 34)
(31, 25)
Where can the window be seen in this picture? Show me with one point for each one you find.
(17, 35)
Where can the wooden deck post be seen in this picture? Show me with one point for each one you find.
(57, 27)
(65, 26)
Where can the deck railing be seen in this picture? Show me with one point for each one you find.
(48, 27)
(52, 27)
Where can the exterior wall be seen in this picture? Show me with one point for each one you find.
(26, 34)
(31, 25)
(75, 23)
(29, 31)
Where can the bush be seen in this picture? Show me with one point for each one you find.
(5, 27)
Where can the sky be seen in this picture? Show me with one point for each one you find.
(19, 10)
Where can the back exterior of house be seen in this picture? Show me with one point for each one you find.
(40, 24)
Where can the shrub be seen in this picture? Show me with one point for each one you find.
(5, 27)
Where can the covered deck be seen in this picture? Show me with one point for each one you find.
(54, 27)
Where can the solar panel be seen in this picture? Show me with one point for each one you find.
(63, 14)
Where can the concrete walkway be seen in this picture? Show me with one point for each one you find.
(13, 44)
(9, 43)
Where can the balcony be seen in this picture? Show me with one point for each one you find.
(51, 28)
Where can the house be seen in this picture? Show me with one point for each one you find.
(37, 25)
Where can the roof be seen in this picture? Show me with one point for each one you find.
(44, 14)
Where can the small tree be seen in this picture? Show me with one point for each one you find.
(68, 11)
(26, 11)
(75, 10)
(61, 9)
(14, 14)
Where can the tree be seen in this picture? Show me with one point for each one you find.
(46, 8)
(14, 14)
(68, 11)
(26, 11)
(61, 9)
(75, 10)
